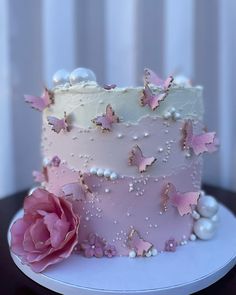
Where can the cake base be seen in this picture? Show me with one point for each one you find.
(190, 269)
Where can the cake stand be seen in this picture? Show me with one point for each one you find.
(191, 268)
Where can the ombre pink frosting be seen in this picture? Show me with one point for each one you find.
(133, 200)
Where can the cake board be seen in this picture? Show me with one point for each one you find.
(191, 268)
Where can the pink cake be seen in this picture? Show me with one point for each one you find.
(130, 162)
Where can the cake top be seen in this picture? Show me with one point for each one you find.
(82, 99)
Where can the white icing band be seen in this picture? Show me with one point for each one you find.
(85, 101)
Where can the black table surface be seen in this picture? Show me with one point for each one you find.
(13, 281)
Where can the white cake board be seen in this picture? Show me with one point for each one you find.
(190, 269)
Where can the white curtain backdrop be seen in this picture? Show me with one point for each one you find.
(116, 39)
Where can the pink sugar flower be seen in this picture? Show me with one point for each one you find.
(94, 246)
(171, 245)
(48, 231)
(110, 251)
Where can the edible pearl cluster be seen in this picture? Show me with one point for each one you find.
(206, 218)
(63, 77)
(104, 173)
(152, 252)
(173, 114)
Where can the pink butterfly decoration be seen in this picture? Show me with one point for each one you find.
(58, 124)
(135, 242)
(151, 99)
(109, 86)
(40, 102)
(41, 176)
(182, 201)
(136, 158)
(206, 142)
(106, 120)
(151, 78)
(55, 162)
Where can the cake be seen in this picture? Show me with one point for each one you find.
(127, 162)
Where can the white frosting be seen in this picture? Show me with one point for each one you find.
(85, 101)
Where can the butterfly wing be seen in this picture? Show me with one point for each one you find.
(36, 102)
(213, 147)
(110, 115)
(187, 135)
(109, 86)
(103, 122)
(135, 242)
(168, 83)
(151, 77)
(74, 190)
(136, 158)
(39, 102)
(83, 182)
(182, 201)
(200, 143)
(151, 99)
(57, 124)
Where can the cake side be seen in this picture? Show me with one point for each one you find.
(121, 171)
(122, 199)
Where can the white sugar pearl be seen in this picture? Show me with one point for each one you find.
(207, 206)
(193, 237)
(148, 254)
(107, 190)
(113, 176)
(204, 228)
(173, 110)
(202, 193)
(160, 150)
(154, 252)
(61, 77)
(146, 134)
(176, 116)
(93, 170)
(132, 254)
(167, 115)
(82, 75)
(120, 135)
(107, 173)
(195, 215)
(100, 172)
(135, 137)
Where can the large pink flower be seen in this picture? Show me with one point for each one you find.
(48, 231)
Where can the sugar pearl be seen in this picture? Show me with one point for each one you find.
(100, 172)
(193, 237)
(167, 115)
(132, 254)
(154, 251)
(107, 173)
(148, 254)
(113, 176)
(93, 170)
(120, 135)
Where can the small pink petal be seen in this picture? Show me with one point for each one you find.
(98, 252)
